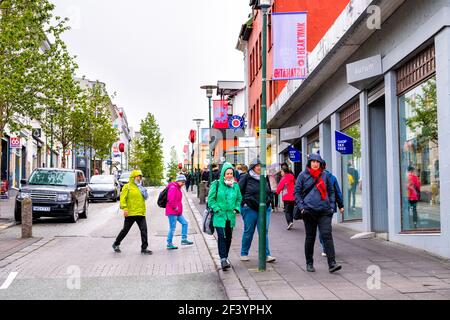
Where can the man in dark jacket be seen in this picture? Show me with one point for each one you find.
(315, 198)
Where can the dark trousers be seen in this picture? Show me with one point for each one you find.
(413, 208)
(224, 236)
(289, 211)
(312, 221)
(129, 221)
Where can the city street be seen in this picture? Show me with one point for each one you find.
(48, 268)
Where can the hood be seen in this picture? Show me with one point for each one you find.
(133, 175)
(316, 157)
(253, 164)
(225, 167)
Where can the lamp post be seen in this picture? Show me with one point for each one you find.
(264, 5)
(209, 93)
(198, 122)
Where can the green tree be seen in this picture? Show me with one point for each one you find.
(136, 154)
(172, 166)
(152, 161)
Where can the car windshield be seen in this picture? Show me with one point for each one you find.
(102, 179)
(52, 178)
(125, 175)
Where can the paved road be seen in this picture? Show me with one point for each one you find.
(49, 268)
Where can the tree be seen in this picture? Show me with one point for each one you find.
(152, 164)
(25, 69)
(172, 166)
(136, 154)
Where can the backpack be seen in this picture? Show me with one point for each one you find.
(162, 198)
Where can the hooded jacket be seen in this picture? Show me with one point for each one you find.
(174, 205)
(288, 182)
(250, 189)
(313, 200)
(131, 198)
(225, 200)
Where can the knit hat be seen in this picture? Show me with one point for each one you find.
(181, 178)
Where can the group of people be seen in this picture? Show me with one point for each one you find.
(315, 193)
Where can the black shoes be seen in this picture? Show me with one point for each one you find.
(116, 248)
(310, 267)
(333, 267)
(146, 251)
(225, 264)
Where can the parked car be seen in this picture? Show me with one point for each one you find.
(104, 187)
(124, 179)
(54, 193)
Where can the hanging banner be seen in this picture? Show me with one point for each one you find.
(236, 123)
(294, 154)
(220, 108)
(344, 143)
(290, 59)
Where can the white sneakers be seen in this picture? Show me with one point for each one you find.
(324, 254)
(245, 258)
(289, 227)
(268, 258)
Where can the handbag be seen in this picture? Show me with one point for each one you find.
(297, 214)
(208, 214)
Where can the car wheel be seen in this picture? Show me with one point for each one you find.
(75, 216)
(84, 214)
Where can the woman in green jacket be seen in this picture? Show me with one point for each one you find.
(132, 202)
(225, 199)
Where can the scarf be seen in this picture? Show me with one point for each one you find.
(320, 184)
(229, 183)
(254, 175)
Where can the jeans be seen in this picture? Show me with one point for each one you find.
(323, 222)
(224, 237)
(322, 246)
(413, 208)
(129, 221)
(250, 218)
(172, 226)
(289, 211)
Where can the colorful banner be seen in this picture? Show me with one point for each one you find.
(294, 154)
(290, 59)
(220, 108)
(344, 143)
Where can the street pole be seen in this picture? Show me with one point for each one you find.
(51, 140)
(192, 168)
(262, 136)
(210, 140)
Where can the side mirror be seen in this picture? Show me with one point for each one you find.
(23, 181)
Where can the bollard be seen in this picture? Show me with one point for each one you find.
(27, 218)
(202, 192)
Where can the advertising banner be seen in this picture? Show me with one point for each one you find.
(294, 154)
(220, 108)
(290, 59)
(344, 143)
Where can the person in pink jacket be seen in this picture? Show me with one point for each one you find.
(287, 186)
(174, 211)
(413, 192)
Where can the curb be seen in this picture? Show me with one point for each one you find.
(233, 286)
(33, 245)
(7, 225)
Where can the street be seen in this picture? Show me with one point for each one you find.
(68, 250)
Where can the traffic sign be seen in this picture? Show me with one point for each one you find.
(14, 143)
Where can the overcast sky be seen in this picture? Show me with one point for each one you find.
(156, 55)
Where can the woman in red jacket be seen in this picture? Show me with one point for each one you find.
(286, 187)
(413, 193)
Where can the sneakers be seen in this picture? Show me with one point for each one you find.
(171, 247)
(245, 258)
(186, 242)
(290, 225)
(270, 259)
(310, 267)
(324, 254)
(333, 267)
(225, 264)
(116, 248)
(146, 251)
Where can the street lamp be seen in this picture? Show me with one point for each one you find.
(209, 93)
(264, 5)
(198, 122)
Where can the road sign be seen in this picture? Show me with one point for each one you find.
(14, 143)
(236, 122)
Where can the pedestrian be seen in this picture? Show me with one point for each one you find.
(250, 190)
(188, 180)
(339, 201)
(216, 172)
(132, 202)
(174, 212)
(314, 196)
(353, 185)
(286, 187)
(225, 199)
(413, 193)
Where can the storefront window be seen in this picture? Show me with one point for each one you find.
(352, 180)
(419, 157)
(314, 147)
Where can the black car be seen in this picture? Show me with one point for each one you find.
(104, 187)
(124, 179)
(54, 193)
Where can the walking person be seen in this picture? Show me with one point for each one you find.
(286, 187)
(132, 202)
(174, 212)
(225, 199)
(413, 193)
(250, 188)
(314, 196)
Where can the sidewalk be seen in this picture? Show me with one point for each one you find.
(7, 212)
(405, 273)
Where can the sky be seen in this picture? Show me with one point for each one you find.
(156, 54)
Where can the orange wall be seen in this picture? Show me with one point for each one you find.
(321, 15)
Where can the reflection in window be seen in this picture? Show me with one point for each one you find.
(419, 156)
(351, 179)
(314, 147)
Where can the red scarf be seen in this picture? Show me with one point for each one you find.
(320, 184)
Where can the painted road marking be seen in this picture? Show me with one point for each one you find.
(9, 280)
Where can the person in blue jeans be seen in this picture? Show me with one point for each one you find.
(250, 187)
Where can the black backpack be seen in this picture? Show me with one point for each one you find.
(162, 198)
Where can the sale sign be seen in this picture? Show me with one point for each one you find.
(290, 59)
(220, 114)
(14, 143)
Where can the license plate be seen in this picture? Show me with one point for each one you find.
(46, 209)
(98, 195)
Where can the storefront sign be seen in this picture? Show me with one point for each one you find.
(294, 154)
(236, 123)
(14, 143)
(247, 142)
(362, 72)
(220, 108)
(290, 133)
(290, 59)
(344, 143)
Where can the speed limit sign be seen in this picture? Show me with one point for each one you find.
(14, 142)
